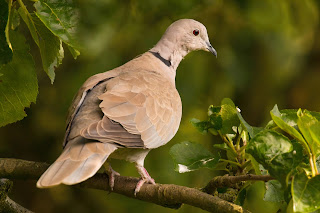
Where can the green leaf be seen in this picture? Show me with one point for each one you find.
(276, 153)
(222, 146)
(253, 131)
(224, 117)
(201, 126)
(5, 51)
(287, 122)
(229, 116)
(305, 193)
(51, 49)
(253, 165)
(19, 85)
(14, 18)
(228, 101)
(215, 117)
(190, 156)
(310, 128)
(274, 192)
(75, 53)
(222, 166)
(268, 144)
(26, 17)
(61, 18)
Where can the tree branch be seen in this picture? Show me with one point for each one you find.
(227, 181)
(6, 204)
(167, 195)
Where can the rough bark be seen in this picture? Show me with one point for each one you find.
(228, 181)
(168, 195)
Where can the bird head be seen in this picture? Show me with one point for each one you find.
(189, 35)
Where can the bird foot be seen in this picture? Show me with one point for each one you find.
(111, 173)
(145, 178)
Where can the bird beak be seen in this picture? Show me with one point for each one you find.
(211, 49)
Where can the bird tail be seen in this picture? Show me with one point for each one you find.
(79, 161)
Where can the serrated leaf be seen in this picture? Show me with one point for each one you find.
(276, 153)
(51, 49)
(287, 123)
(310, 128)
(305, 193)
(5, 51)
(274, 192)
(19, 85)
(190, 156)
(61, 18)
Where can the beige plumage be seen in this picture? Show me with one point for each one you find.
(125, 112)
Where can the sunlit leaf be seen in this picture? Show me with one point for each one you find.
(224, 117)
(61, 17)
(310, 128)
(5, 51)
(229, 116)
(287, 122)
(24, 13)
(305, 193)
(19, 85)
(190, 156)
(51, 49)
(228, 101)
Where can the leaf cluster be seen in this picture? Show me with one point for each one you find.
(287, 148)
(51, 24)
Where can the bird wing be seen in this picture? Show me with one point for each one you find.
(144, 103)
(81, 95)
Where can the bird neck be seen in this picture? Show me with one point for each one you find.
(170, 51)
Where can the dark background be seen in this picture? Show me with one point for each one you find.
(268, 53)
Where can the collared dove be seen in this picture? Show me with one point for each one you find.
(127, 111)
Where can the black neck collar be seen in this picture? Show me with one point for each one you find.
(165, 61)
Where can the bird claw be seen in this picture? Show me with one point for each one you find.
(145, 178)
(111, 173)
(141, 182)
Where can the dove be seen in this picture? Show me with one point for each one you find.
(127, 111)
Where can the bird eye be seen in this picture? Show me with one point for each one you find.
(196, 32)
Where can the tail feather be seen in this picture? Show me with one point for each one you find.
(79, 161)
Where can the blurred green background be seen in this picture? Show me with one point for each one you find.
(268, 53)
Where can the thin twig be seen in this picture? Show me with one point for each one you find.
(227, 181)
(168, 195)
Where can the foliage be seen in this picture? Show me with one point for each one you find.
(287, 148)
(268, 53)
(50, 25)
